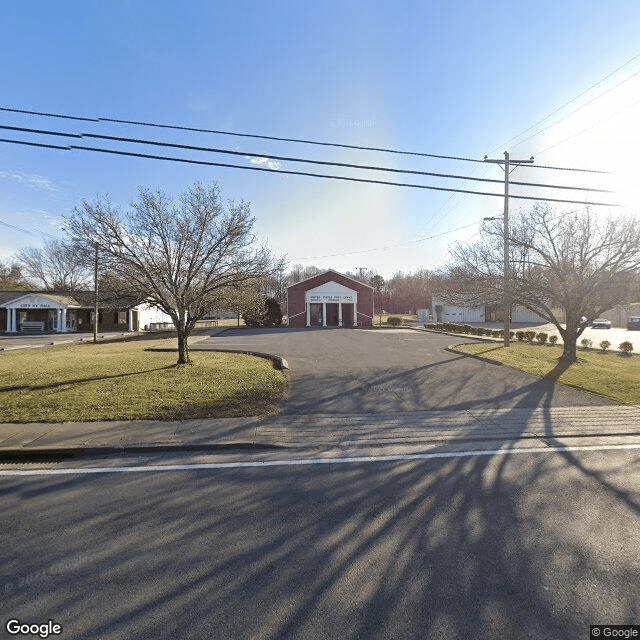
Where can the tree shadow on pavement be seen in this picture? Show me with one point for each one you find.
(457, 383)
(496, 545)
(479, 547)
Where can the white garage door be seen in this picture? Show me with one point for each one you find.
(452, 314)
(475, 314)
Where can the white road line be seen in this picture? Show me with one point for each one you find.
(312, 461)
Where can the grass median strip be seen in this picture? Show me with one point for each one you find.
(125, 380)
(609, 374)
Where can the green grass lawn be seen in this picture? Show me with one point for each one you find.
(610, 374)
(124, 380)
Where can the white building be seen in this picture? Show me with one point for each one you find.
(442, 312)
(45, 312)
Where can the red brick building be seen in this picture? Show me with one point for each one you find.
(330, 299)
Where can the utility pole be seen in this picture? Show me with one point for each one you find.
(95, 294)
(505, 218)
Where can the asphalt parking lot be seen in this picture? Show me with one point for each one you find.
(380, 371)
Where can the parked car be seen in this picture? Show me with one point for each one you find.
(601, 323)
(633, 323)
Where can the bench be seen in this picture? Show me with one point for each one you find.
(32, 326)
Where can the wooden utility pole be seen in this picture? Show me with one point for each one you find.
(505, 218)
(95, 294)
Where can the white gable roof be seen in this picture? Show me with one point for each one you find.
(331, 288)
(331, 292)
(39, 301)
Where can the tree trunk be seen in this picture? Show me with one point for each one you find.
(570, 339)
(183, 347)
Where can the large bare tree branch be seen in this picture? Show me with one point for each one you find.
(179, 258)
(576, 262)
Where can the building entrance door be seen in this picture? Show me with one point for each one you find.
(332, 314)
(347, 314)
(316, 315)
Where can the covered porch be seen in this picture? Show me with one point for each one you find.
(31, 312)
(36, 313)
(331, 305)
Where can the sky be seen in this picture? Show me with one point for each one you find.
(555, 79)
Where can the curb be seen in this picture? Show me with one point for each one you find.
(462, 335)
(17, 455)
(278, 361)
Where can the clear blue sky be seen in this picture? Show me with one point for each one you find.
(451, 78)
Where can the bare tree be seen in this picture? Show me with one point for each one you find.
(57, 266)
(11, 278)
(183, 259)
(299, 273)
(405, 292)
(276, 285)
(575, 262)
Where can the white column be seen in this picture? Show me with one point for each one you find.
(339, 314)
(130, 319)
(355, 313)
(63, 321)
(14, 320)
(308, 306)
(324, 314)
(58, 320)
(9, 327)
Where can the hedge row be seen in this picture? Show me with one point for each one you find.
(467, 328)
(521, 336)
(625, 347)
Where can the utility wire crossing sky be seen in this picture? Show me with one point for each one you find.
(247, 154)
(411, 80)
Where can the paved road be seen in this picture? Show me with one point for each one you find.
(529, 545)
(9, 342)
(360, 371)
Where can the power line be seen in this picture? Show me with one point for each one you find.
(265, 137)
(296, 173)
(327, 163)
(403, 244)
(13, 226)
(390, 246)
(238, 134)
(566, 104)
(544, 166)
(591, 126)
(586, 104)
(172, 145)
(37, 144)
